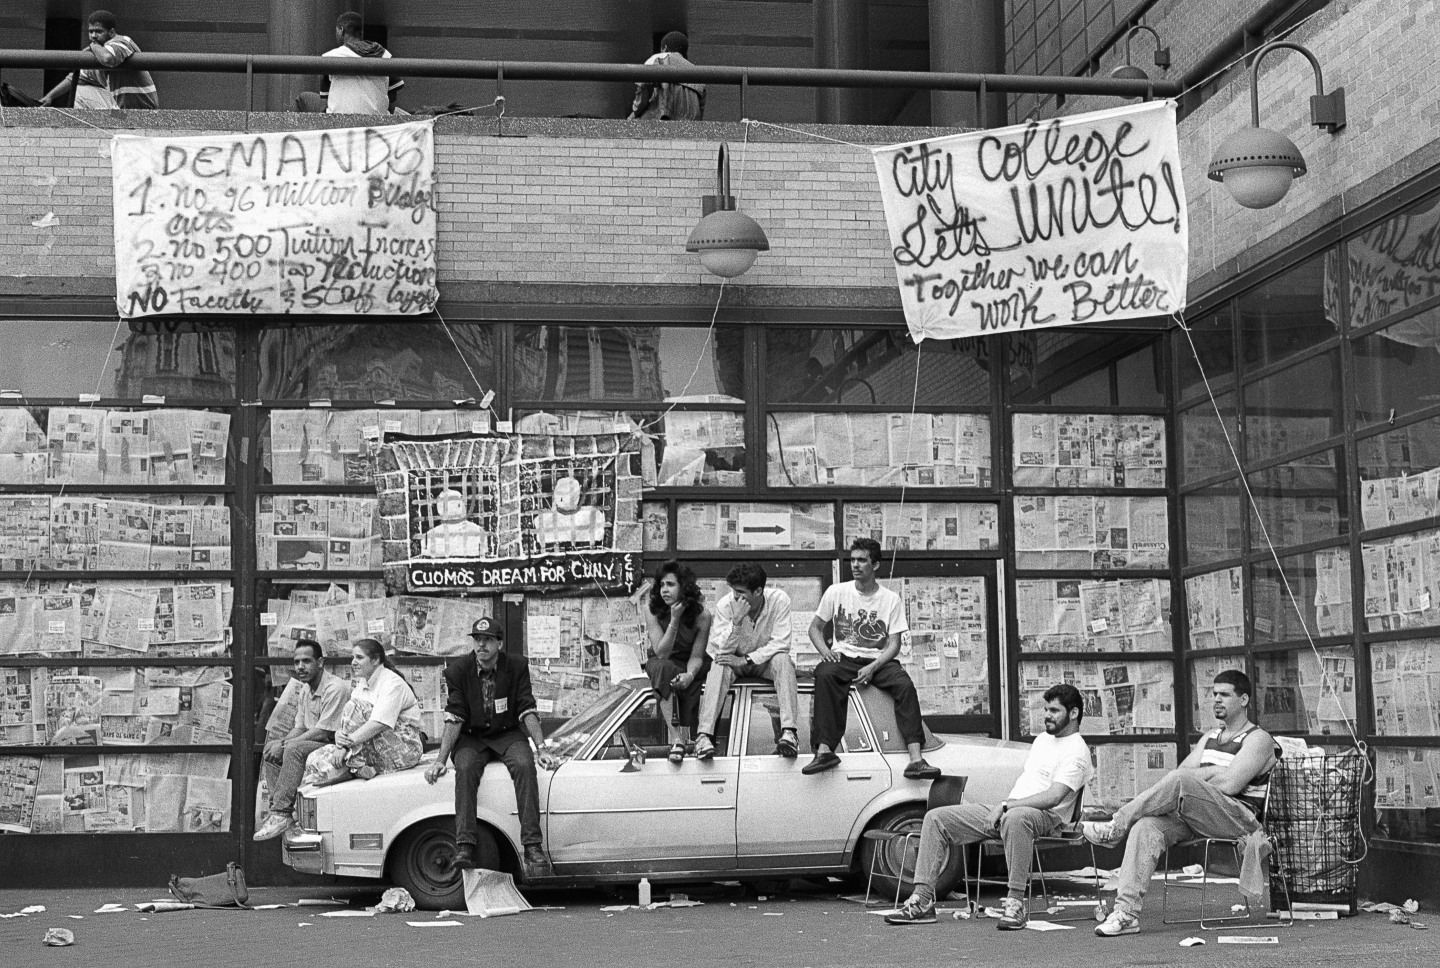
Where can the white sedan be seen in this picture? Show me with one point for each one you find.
(610, 817)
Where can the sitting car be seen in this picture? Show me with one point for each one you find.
(616, 810)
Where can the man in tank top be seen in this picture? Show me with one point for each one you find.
(1218, 791)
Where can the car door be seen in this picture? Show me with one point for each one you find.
(786, 819)
(613, 814)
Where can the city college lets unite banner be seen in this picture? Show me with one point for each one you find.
(338, 221)
(1052, 223)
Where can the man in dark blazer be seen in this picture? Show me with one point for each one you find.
(490, 700)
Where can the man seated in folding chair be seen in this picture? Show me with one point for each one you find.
(1218, 791)
(1042, 799)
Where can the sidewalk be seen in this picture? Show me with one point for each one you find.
(794, 930)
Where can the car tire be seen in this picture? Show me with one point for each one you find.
(885, 857)
(423, 862)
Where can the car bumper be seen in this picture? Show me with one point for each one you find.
(305, 853)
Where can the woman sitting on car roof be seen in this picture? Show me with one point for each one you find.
(679, 630)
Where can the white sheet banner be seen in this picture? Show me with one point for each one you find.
(1052, 223)
(336, 221)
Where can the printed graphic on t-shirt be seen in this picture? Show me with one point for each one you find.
(863, 630)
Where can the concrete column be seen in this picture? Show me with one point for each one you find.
(966, 37)
(296, 28)
(842, 40)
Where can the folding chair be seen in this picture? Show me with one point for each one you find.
(945, 791)
(1069, 835)
(1209, 924)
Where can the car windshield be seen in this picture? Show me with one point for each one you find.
(566, 741)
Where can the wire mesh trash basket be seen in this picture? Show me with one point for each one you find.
(1313, 818)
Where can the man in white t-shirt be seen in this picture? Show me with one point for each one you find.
(1056, 770)
(866, 621)
(354, 93)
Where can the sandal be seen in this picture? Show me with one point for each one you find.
(677, 753)
(704, 747)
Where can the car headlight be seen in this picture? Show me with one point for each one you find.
(307, 814)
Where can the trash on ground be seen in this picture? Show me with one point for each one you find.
(76, 917)
(33, 909)
(492, 894)
(1037, 925)
(1237, 908)
(59, 937)
(348, 914)
(1247, 939)
(1419, 927)
(110, 908)
(267, 907)
(306, 924)
(319, 901)
(433, 924)
(1194, 870)
(774, 914)
(395, 899)
(1399, 917)
(617, 907)
(155, 907)
(1385, 907)
(1191, 942)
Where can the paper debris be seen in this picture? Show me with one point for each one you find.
(306, 924)
(433, 924)
(395, 899)
(1237, 908)
(33, 909)
(1411, 906)
(110, 908)
(1191, 942)
(267, 907)
(492, 894)
(617, 907)
(154, 907)
(1034, 925)
(348, 914)
(58, 937)
(1194, 870)
(76, 917)
(773, 914)
(1419, 927)
(318, 901)
(1247, 939)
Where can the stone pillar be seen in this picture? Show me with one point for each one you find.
(842, 40)
(966, 37)
(295, 28)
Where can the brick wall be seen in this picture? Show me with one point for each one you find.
(549, 208)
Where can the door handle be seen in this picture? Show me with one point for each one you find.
(858, 776)
(717, 779)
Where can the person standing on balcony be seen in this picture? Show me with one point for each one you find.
(669, 101)
(131, 89)
(353, 93)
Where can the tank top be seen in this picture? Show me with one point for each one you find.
(1223, 754)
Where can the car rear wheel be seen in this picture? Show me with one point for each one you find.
(893, 858)
(423, 862)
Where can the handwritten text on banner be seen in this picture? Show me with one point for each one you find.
(338, 221)
(1053, 223)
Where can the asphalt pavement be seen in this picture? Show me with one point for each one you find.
(806, 926)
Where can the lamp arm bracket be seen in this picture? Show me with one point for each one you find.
(1326, 110)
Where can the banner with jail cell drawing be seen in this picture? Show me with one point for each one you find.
(510, 512)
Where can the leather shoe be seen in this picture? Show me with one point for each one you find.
(821, 763)
(464, 857)
(920, 770)
(537, 863)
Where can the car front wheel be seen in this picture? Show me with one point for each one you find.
(423, 862)
(892, 856)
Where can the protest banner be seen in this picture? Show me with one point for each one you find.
(339, 221)
(1050, 223)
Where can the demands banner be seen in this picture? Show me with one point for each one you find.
(1052, 223)
(339, 221)
(510, 512)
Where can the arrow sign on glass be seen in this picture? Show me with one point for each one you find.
(764, 528)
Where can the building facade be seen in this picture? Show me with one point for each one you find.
(1057, 504)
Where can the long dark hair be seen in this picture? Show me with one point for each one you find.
(689, 594)
(376, 651)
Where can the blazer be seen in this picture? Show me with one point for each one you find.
(513, 696)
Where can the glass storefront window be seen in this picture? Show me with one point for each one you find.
(1300, 502)
(1293, 409)
(377, 361)
(651, 364)
(1320, 582)
(338, 613)
(874, 367)
(1089, 450)
(1286, 315)
(1407, 779)
(1079, 615)
(1214, 343)
(1402, 676)
(878, 450)
(1066, 369)
(1400, 475)
(1203, 439)
(114, 445)
(1213, 523)
(333, 446)
(1084, 531)
(656, 518)
(1121, 698)
(62, 358)
(679, 448)
(1397, 369)
(120, 793)
(1390, 266)
(1300, 691)
(924, 526)
(1402, 590)
(1215, 605)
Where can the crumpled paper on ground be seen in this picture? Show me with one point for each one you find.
(1385, 907)
(1191, 942)
(59, 937)
(395, 899)
(150, 907)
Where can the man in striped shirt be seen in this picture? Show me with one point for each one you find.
(1218, 791)
(132, 89)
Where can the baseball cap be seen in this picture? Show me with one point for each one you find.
(486, 626)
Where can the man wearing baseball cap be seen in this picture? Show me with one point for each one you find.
(490, 700)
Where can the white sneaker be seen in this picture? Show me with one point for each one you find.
(1015, 916)
(1118, 923)
(1100, 833)
(275, 824)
